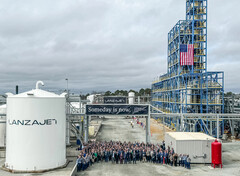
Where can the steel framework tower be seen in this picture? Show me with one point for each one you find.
(189, 88)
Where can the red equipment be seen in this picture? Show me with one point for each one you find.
(216, 153)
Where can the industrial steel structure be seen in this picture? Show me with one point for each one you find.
(189, 88)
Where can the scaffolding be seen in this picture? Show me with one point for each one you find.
(189, 88)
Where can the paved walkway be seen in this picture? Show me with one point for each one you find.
(119, 129)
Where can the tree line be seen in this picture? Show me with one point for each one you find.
(141, 92)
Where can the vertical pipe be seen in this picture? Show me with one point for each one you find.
(190, 126)
(177, 127)
(85, 129)
(88, 122)
(67, 87)
(148, 126)
(16, 89)
(67, 125)
(182, 123)
(68, 130)
(80, 128)
(231, 122)
(80, 104)
(194, 126)
(217, 126)
(82, 124)
(211, 128)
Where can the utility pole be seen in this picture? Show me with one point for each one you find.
(67, 85)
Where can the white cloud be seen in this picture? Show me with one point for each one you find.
(103, 44)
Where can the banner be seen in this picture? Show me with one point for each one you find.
(117, 109)
(114, 100)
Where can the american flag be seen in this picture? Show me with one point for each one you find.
(186, 54)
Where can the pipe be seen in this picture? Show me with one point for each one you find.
(217, 126)
(37, 84)
(16, 89)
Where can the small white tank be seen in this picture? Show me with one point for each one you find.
(90, 98)
(3, 125)
(36, 131)
(131, 97)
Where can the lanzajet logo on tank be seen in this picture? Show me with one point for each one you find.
(32, 122)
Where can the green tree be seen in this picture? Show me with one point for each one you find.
(147, 91)
(108, 93)
(124, 92)
(229, 94)
(117, 92)
(141, 92)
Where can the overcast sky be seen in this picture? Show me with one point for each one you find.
(105, 44)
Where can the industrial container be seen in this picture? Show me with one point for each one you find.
(131, 97)
(216, 153)
(36, 131)
(196, 145)
(3, 125)
(91, 99)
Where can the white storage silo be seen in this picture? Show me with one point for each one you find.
(36, 124)
(3, 125)
(131, 97)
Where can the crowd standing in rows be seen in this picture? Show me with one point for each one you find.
(127, 153)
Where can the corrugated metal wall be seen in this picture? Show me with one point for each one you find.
(194, 148)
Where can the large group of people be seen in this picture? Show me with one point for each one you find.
(127, 152)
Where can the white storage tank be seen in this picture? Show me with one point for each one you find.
(196, 145)
(3, 125)
(36, 124)
(131, 97)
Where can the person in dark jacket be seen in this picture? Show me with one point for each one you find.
(188, 162)
(79, 163)
(116, 157)
(121, 158)
(175, 158)
(134, 157)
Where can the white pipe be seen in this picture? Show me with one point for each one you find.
(37, 84)
(217, 126)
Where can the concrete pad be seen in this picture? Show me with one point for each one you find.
(119, 128)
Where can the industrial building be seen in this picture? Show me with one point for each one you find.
(232, 105)
(189, 87)
(196, 145)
